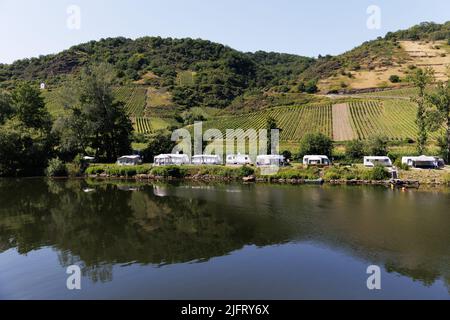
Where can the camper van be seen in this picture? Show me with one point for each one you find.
(315, 160)
(270, 160)
(206, 159)
(373, 161)
(171, 159)
(129, 160)
(238, 159)
(423, 162)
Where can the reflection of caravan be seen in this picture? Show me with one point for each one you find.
(171, 159)
(270, 160)
(314, 160)
(238, 159)
(206, 159)
(423, 162)
(373, 161)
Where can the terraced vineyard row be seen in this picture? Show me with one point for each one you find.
(146, 125)
(392, 118)
(134, 99)
(294, 121)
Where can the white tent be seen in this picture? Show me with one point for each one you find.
(129, 160)
(206, 159)
(270, 160)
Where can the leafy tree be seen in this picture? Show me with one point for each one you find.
(24, 151)
(159, 143)
(355, 150)
(378, 146)
(271, 124)
(440, 115)
(315, 144)
(421, 78)
(95, 119)
(30, 107)
(6, 109)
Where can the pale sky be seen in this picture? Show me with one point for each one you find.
(33, 27)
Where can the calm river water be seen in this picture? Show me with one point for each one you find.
(197, 241)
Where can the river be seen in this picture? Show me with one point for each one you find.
(221, 241)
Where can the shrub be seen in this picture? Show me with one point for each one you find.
(355, 150)
(246, 171)
(56, 168)
(394, 78)
(379, 173)
(378, 146)
(169, 171)
(315, 143)
(402, 166)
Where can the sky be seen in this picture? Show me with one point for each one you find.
(30, 28)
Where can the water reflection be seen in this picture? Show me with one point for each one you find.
(128, 223)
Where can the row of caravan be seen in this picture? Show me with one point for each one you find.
(238, 159)
(425, 162)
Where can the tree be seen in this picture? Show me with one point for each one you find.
(6, 109)
(355, 150)
(30, 107)
(95, 119)
(421, 78)
(24, 151)
(271, 124)
(159, 143)
(378, 146)
(315, 144)
(440, 115)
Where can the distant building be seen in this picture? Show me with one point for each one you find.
(42, 86)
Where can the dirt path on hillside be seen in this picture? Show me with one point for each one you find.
(342, 128)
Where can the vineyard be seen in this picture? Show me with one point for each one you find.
(147, 125)
(294, 121)
(392, 118)
(134, 99)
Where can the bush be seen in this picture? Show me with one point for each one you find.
(402, 166)
(246, 171)
(394, 78)
(56, 168)
(298, 173)
(169, 171)
(379, 173)
(355, 150)
(378, 146)
(315, 143)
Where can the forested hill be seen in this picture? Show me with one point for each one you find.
(203, 73)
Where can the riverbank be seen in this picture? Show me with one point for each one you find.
(295, 174)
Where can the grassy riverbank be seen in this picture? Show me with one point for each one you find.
(296, 173)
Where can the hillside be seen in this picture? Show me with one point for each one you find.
(174, 82)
